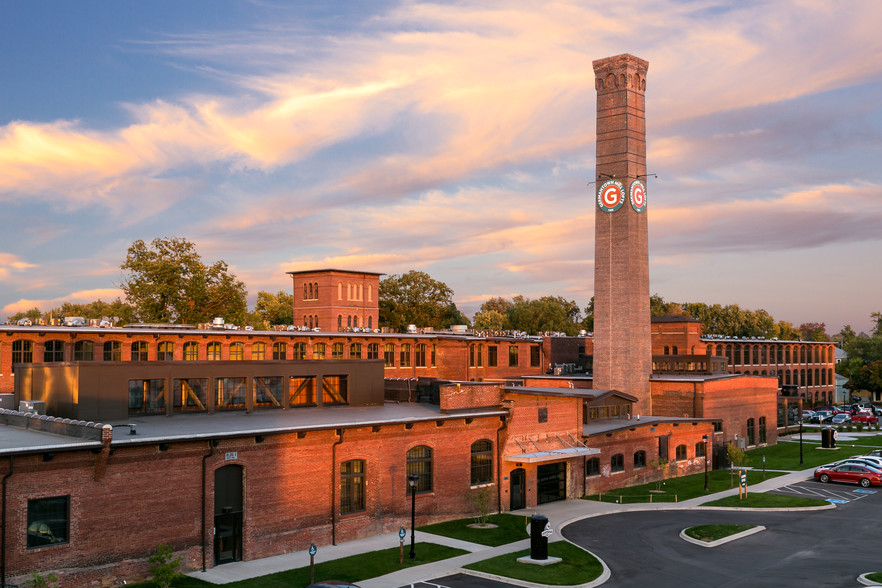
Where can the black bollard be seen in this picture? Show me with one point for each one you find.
(538, 537)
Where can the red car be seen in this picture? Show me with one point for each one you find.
(865, 417)
(852, 473)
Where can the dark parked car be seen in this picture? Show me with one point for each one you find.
(841, 418)
(821, 416)
(854, 474)
(332, 584)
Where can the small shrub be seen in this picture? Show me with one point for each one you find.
(165, 566)
(38, 581)
(860, 427)
(482, 498)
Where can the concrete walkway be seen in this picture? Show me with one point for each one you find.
(559, 514)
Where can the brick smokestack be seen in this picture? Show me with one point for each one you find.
(622, 330)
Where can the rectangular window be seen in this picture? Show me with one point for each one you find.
(534, 356)
(279, 351)
(405, 355)
(592, 466)
(352, 486)
(190, 393)
(762, 430)
(491, 356)
(373, 351)
(335, 390)
(48, 521)
(268, 391)
(389, 355)
(301, 391)
(191, 351)
(84, 351)
(299, 350)
(213, 351)
(471, 356)
(337, 351)
(146, 396)
(419, 359)
(53, 351)
(165, 351)
(258, 352)
(434, 354)
(237, 351)
(318, 351)
(229, 393)
(513, 356)
(112, 351)
(355, 351)
(139, 351)
(543, 415)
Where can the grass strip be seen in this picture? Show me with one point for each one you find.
(766, 500)
(350, 569)
(509, 528)
(708, 533)
(577, 566)
(682, 488)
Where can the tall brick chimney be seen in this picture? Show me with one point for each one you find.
(622, 330)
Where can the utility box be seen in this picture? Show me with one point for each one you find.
(828, 438)
(34, 406)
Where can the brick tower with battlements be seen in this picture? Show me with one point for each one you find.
(622, 330)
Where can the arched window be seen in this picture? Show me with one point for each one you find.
(53, 351)
(315, 290)
(318, 351)
(592, 467)
(756, 354)
(419, 463)
(139, 351)
(482, 462)
(165, 351)
(84, 351)
(802, 354)
(404, 355)
(680, 452)
(765, 355)
(780, 355)
(370, 293)
(373, 351)
(310, 321)
(339, 322)
(191, 351)
(617, 463)
(112, 351)
(316, 321)
(639, 459)
(762, 430)
(420, 355)
(751, 432)
(213, 351)
(237, 351)
(674, 350)
(349, 321)
(339, 290)
(389, 355)
(787, 354)
(304, 292)
(667, 350)
(352, 486)
(258, 351)
(370, 322)
(22, 352)
(310, 291)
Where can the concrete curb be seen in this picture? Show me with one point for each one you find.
(722, 541)
(867, 582)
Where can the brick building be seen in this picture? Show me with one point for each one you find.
(334, 299)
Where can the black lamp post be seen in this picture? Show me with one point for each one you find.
(704, 438)
(800, 441)
(413, 480)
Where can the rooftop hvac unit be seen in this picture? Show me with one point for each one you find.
(34, 406)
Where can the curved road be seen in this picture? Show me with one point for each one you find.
(803, 548)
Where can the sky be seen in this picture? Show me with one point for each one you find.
(454, 138)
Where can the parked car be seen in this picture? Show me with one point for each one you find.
(807, 415)
(874, 453)
(841, 410)
(841, 418)
(869, 458)
(851, 473)
(861, 461)
(821, 416)
(865, 417)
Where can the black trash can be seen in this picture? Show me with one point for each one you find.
(828, 438)
(538, 537)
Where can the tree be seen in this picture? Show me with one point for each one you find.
(169, 283)
(786, 331)
(877, 317)
(549, 313)
(117, 310)
(813, 332)
(32, 314)
(414, 298)
(491, 320)
(588, 321)
(274, 309)
(166, 566)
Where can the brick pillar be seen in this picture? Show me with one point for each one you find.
(622, 337)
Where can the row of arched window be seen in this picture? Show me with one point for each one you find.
(770, 354)
(617, 461)
(420, 463)
(355, 291)
(352, 322)
(311, 291)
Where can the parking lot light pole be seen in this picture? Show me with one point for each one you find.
(704, 438)
(413, 480)
(800, 442)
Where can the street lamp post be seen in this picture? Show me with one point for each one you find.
(800, 441)
(705, 438)
(413, 480)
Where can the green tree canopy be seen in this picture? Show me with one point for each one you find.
(548, 313)
(813, 332)
(274, 309)
(169, 283)
(414, 298)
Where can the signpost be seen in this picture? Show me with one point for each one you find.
(402, 533)
(742, 483)
(764, 467)
(312, 552)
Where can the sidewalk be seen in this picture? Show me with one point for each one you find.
(559, 513)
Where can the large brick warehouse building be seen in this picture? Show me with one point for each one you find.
(236, 445)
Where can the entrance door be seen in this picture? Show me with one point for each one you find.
(228, 514)
(518, 489)
(551, 482)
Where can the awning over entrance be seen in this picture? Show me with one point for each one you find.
(550, 447)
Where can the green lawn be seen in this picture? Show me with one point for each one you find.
(679, 489)
(875, 577)
(510, 528)
(351, 569)
(708, 533)
(766, 500)
(577, 566)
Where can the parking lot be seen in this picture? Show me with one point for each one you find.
(459, 581)
(836, 493)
